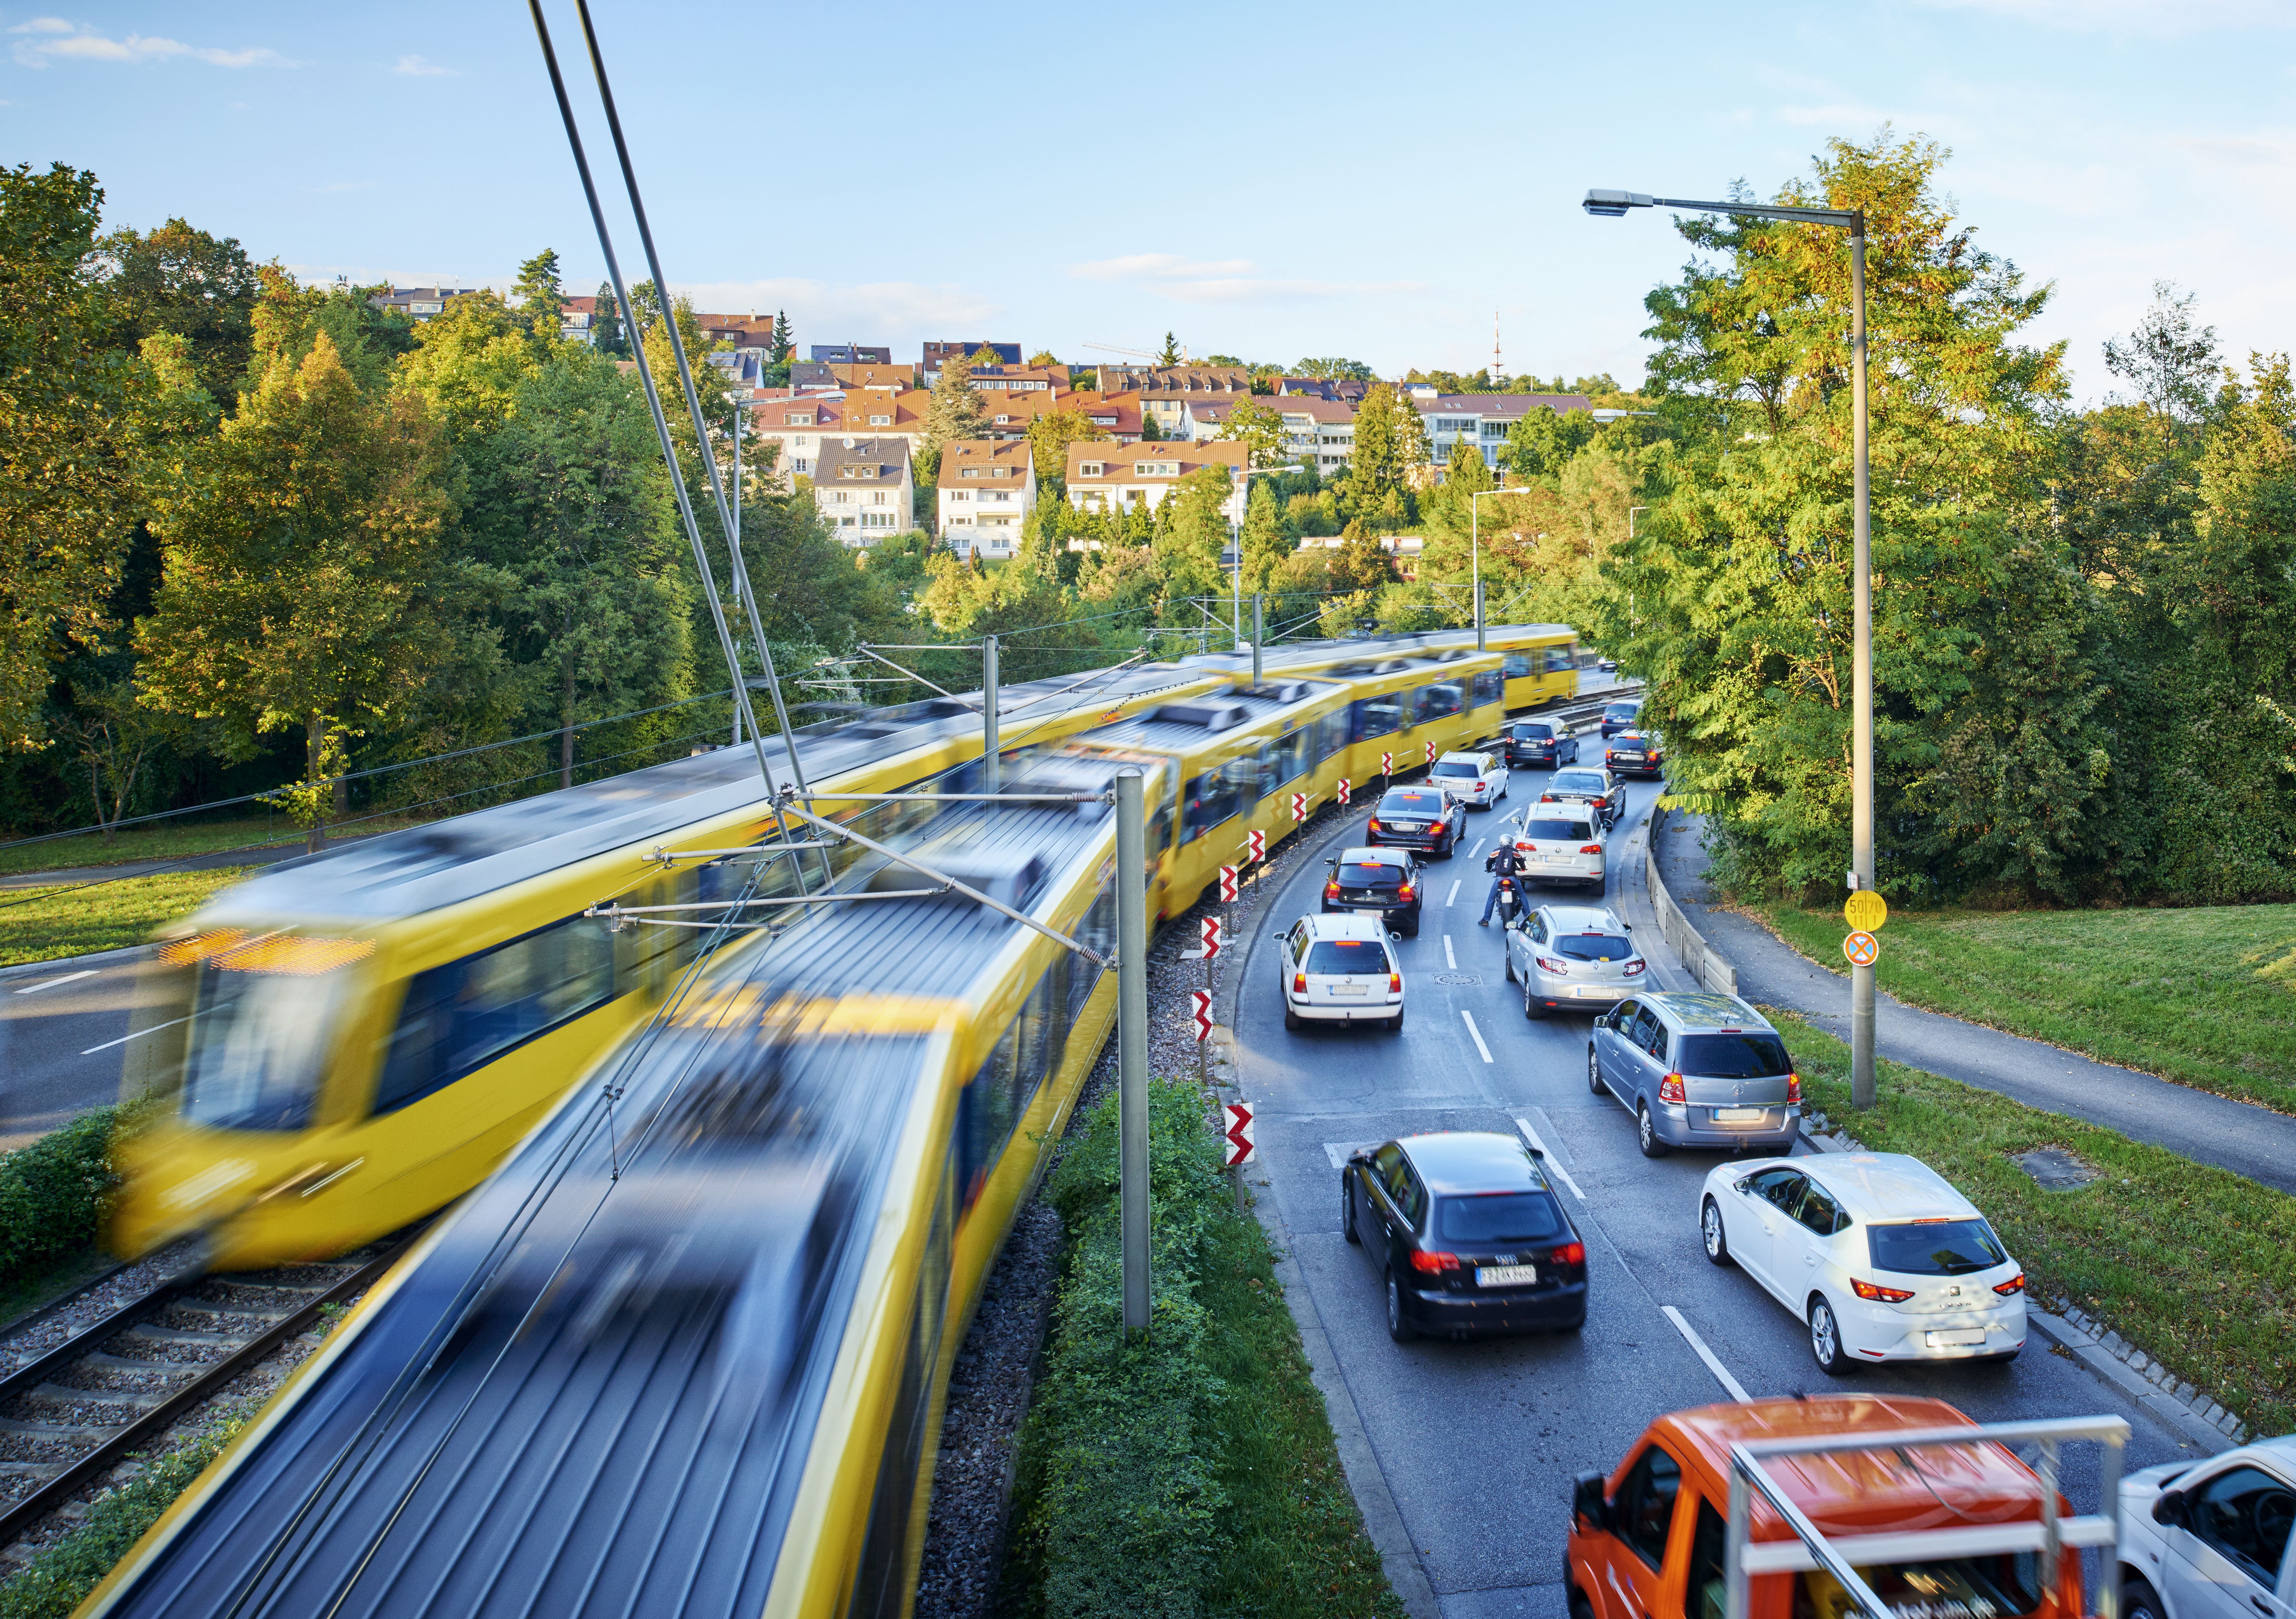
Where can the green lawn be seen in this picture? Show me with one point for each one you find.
(42, 924)
(2189, 1263)
(2205, 996)
(169, 841)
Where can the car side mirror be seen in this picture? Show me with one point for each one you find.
(1589, 1508)
(2169, 1508)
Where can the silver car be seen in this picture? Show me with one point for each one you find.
(1562, 844)
(1583, 784)
(1699, 1069)
(1573, 959)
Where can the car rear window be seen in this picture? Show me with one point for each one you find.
(1533, 732)
(1623, 711)
(1567, 832)
(1412, 803)
(1594, 946)
(1454, 767)
(1575, 781)
(1626, 739)
(1499, 1217)
(1751, 1055)
(1367, 876)
(1344, 956)
(1935, 1247)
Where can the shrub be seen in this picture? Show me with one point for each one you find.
(52, 1194)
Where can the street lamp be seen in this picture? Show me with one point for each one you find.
(1613, 205)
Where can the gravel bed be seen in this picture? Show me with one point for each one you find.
(23, 1345)
(995, 1371)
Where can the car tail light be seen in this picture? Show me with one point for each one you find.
(1332, 889)
(2013, 1286)
(1481, 785)
(1603, 803)
(1395, 983)
(1570, 1253)
(1547, 965)
(1546, 798)
(1590, 848)
(1669, 1088)
(1299, 983)
(1374, 823)
(1880, 1296)
(1635, 966)
(1434, 1261)
(1406, 894)
(1793, 1090)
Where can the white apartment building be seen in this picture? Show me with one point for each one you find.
(864, 488)
(987, 487)
(804, 424)
(1484, 418)
(1317, 432)
(1106, 476)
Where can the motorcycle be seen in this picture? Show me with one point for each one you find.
(1510, 899)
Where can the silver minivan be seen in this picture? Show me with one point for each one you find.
(1562, 844)
(1698, 1069)
(1573, 959)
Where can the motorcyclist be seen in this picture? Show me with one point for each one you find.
(1504, 862)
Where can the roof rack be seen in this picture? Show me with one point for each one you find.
(1810, 1549)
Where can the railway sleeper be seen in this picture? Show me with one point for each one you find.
(141, 1366)
(202, 1337)
(258, 1315)
(138, 1401)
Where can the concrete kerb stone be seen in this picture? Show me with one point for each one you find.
(55, 965)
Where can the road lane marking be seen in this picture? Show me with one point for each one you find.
(1550, 1160)
(1449, 960)
(138, 1035)
(1340, 1151)
(1478, 849)
(50, 983)
(1454, 899)
(1478, 1033)
(1713, 1364)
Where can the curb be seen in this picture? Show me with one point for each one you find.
(2180, 1405)
(72, 964)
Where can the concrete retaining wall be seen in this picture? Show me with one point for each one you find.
(1700, 959)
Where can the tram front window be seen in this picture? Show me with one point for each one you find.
(261, 1027)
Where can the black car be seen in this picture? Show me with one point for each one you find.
(1419, 817)
(1633, 753)
(1533, 742)
(1467, 1234)
(1620, 716)
(1381, 881)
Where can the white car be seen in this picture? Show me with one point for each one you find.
(1339, 969)
(1876, 1252)
(1563, 843)
(1478, 779)
(2209, 1539)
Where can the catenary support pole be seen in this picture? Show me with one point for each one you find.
(1258, 629)
(1861, 1088)
(739, 419)
(1132, 1042)
(1480, 646)
(991, 755)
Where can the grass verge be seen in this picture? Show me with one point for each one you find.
(55, 922)
(1194, 1473)
(2189, 1263)
(59, 1576)
(2199, 995)
(177, 842)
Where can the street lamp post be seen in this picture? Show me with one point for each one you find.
(1613, 205)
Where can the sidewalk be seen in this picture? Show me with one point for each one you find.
(2198, 1124)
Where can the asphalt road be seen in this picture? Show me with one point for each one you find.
(63, 1036)
(1477, 1442)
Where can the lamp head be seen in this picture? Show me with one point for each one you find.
(1613, 204)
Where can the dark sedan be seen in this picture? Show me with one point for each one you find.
(1633, 753)
(1621, 716)
(1419, 817)
(1381, 882)
(1467, 1235)
(1533, 742)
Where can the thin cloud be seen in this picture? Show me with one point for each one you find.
(44, 41)
(416, 67)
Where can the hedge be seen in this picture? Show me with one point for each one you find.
(51, 1196)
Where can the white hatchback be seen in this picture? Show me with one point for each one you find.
(1563, 843)
(1339, 968)
(1478, 779)
(1875, 1252)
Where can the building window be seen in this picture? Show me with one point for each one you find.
(799, 463)
(969, 472)
(877, 497)
(1091, 469)
(960, 494)
(1002, 421)
(798, 418)
(1155, 469)
(876, 520)
(881, 421)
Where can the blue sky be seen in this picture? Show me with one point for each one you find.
(1267, 181)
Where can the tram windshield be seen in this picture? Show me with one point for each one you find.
(264, 1015)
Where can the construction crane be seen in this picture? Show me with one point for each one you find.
(1139, 353)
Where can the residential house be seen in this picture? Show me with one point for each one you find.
(1166, 390)
(873, 376)
(1021, 379)
(813, 374)
(1348, 392)
(578, 318)
(804, 424)
(986, 487)
(1106, 476)
(1007, 414)
(850, 354)
(418, 304)
(1317, 432)
(929, 362)
(864, 488)
(1484, 418)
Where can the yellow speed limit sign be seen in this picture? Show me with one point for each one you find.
(1866, 911)
(1862, 949)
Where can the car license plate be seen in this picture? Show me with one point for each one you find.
(1739, 1115)
(1590, 991)
(1347, 989)
(1964, 1338)
(1512, 1276)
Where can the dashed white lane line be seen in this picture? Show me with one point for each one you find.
(1450, 958)
(1478, 1033)
(138, 1035)
(1454, 899)
(1550, 1159)
(50, 983)
(1737, 1390)
(1478, 849)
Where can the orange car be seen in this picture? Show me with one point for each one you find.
(1972, 1539)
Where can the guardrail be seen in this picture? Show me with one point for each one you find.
(1711, 967)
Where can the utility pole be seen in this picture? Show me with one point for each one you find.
(1259, 628)
(1132, 1044)
(741, 415)
(990, 762)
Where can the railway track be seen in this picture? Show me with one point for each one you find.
(76, 1411)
